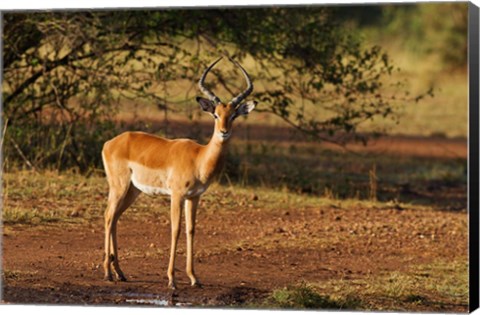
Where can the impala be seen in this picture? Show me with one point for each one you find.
(138, 162)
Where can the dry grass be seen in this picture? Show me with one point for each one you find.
(34, 198)
(422, 287)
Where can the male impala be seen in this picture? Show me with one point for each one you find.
(139, 162)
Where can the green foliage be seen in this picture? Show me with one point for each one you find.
(64, 68)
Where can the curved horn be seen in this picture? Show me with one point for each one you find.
(204, 90)
(248, 90)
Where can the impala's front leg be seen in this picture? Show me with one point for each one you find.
(175, 214)
(190, 214)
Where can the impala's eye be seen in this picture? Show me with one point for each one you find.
(215, 116)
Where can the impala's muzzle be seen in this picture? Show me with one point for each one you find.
(224, 135)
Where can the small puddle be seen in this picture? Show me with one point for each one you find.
(157, 302)
(150, 299)
(145, 298)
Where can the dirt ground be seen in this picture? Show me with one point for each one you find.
(62, 264)
(243, 253)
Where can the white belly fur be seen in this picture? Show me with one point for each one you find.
(149, 181)
(150, 190)
(154, 182)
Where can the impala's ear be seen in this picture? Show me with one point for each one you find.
(207, 105)
(245, 108)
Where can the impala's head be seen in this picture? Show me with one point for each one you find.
(225, 113)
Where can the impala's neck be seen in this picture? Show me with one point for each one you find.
(213, 155)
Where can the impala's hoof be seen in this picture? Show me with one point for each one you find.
(121, 278)
(197, 285)
(108, 278)
(172, 286)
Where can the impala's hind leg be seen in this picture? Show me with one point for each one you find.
(113, 201)
(129, 198)
(119, 200)
(115, 197)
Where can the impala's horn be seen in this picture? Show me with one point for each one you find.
(236, 100)
(202, 87)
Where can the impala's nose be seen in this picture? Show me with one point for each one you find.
(223, 134)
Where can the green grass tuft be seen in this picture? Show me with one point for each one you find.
(305, 296)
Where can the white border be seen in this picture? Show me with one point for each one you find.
(99, 4)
